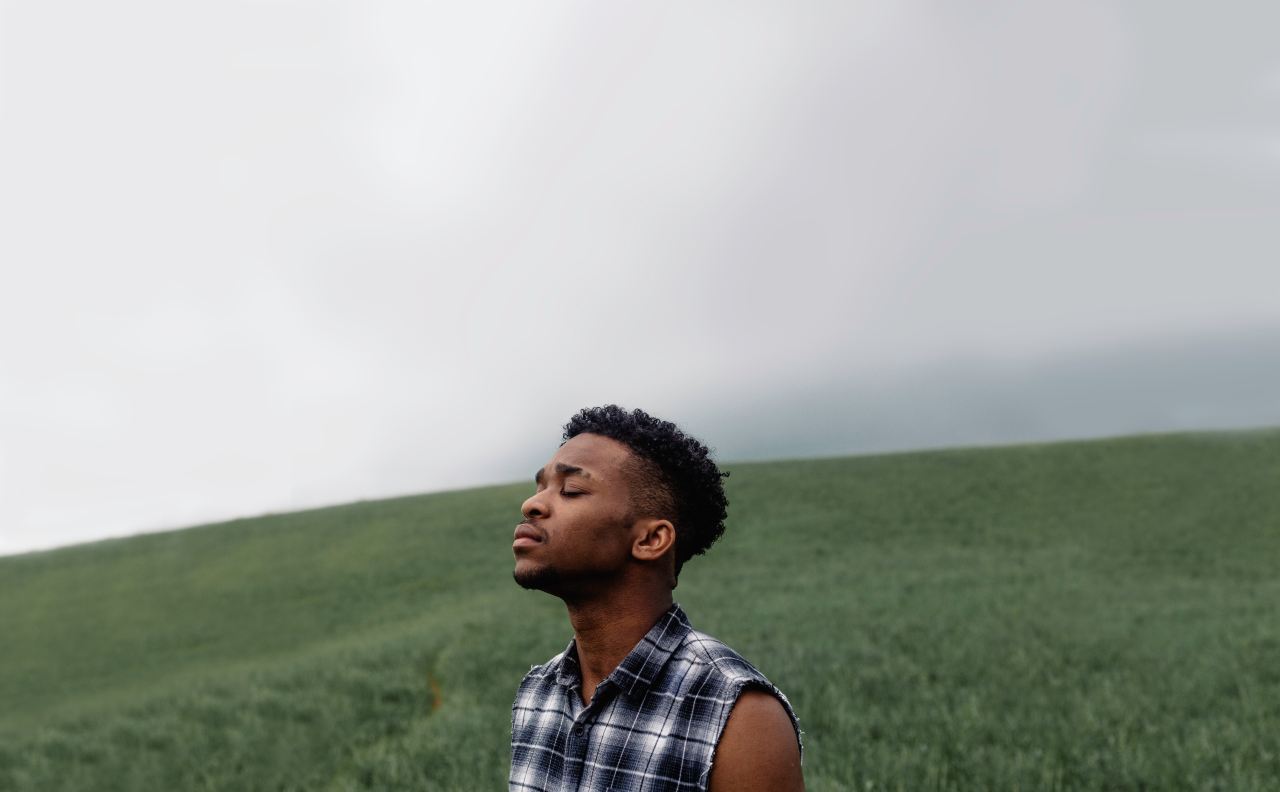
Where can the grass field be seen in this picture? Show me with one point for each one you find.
(1100, 615)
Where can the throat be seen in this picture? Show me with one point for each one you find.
(605, 633)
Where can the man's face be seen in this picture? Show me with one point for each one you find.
(577, 529)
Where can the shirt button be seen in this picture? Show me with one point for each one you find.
(578, 730)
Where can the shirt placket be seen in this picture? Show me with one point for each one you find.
(579, 737)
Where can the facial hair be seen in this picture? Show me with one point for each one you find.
(538, 579)
(554, 581)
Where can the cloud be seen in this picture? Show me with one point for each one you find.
(257, 260)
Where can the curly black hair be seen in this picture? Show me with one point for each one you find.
(675, 477)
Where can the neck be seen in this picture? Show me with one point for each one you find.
(608, 627)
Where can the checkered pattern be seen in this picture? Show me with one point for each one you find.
(652, 725)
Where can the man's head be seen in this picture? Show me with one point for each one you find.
(624, 491)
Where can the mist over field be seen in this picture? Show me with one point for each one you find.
(1227, 380)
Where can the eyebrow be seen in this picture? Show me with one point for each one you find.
(564, 470)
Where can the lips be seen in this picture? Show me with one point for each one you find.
(526, 536)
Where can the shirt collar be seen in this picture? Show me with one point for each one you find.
(638, 670)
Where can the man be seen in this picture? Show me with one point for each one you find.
(639, 700)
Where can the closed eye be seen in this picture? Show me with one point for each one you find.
(568, 494)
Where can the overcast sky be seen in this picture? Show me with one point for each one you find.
(258, 256)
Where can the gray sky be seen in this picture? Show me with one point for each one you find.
(264, 255)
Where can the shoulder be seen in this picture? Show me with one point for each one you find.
(539, 676)
(716, 658)
(736, 674)
(758, 749)
(726, 667)
(756, 731)
(535, 694)
(544, 670)
(735, 677)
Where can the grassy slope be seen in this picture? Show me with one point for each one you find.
(1096, 615)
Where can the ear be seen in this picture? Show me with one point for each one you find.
(654, 539)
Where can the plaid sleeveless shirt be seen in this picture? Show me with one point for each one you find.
(652, 725)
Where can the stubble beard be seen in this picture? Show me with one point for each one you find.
(537, 579)
(554, 581)
(558, 583)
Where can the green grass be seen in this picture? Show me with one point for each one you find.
(1100, 615)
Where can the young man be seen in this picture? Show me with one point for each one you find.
(639, 700)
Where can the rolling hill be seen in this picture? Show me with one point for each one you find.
(1090, 615)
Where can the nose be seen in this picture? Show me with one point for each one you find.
(534, 506)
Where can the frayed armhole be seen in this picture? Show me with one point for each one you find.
(725, 712)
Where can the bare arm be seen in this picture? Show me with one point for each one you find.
(758, 751)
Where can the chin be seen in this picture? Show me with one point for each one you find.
(536, 578)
